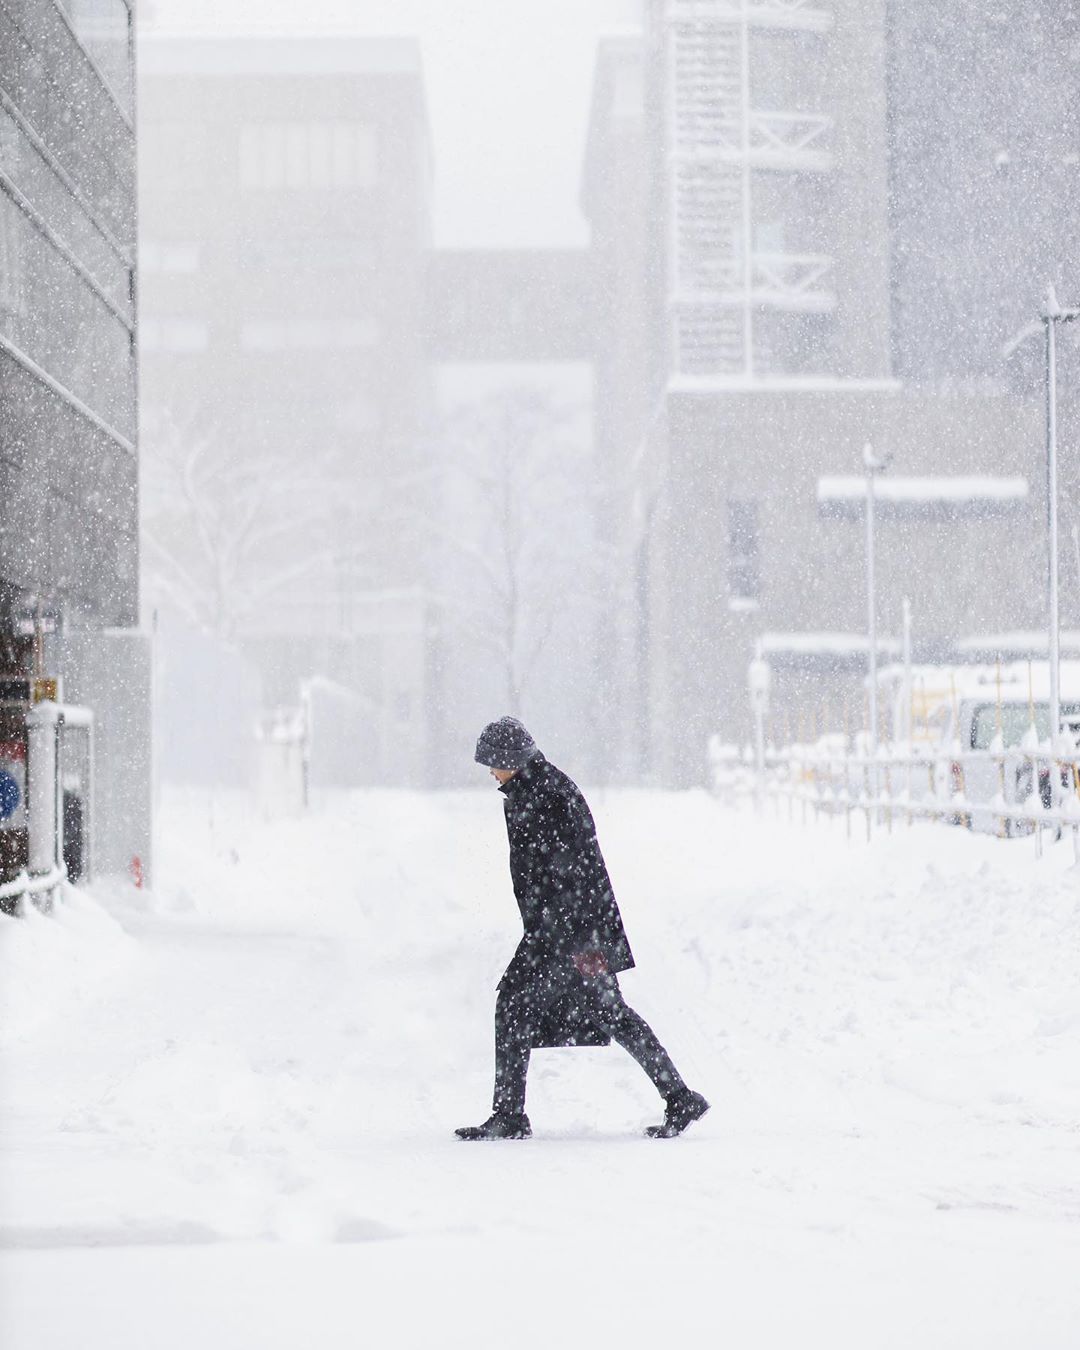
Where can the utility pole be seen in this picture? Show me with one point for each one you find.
(873, 464)
(906, 719)
(1052, 315)
(759, 681)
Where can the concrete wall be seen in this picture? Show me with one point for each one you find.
(283, 312)
(770, 449)
(69, 472)
(615, 198)
(68, 469)
(111, 672)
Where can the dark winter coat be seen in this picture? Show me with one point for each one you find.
(560, 879)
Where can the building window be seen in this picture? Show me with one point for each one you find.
(173, 335)
(298, 155)
(181, 144)
(744, 555)
(157, 256)
(276, 335)
(345, 253)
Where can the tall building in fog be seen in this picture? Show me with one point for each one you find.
(774, 175)
(69, 472)
(285, 227)
(984, 133)
(67, 311)
(765, 281)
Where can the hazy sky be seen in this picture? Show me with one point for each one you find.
(508, 84)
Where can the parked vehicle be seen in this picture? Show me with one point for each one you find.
(989, 725)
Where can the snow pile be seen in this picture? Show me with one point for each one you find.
(390, 861)
(51, 964)
(940, 488)
(249, 1140)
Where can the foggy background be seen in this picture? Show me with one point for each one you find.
(451, 403)
(473, 357)
(504, 100)
(508, 89)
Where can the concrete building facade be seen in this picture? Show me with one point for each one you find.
(284, 261)
(69, 472)
(616, 198)
(765, 285)
(67, 317)
(984, 133)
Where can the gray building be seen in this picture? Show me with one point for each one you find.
(285, 229)
(984, 168)
(69, 555)
(764, 277)
(616, 198)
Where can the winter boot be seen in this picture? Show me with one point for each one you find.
(683, 1108)
(501, 1125)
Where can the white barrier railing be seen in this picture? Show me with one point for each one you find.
(25, 886)
(916, 783)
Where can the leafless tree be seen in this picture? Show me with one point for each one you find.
(227, 534)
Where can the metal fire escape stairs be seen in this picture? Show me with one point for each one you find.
(716, 140)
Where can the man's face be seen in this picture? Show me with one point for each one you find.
(502, 776)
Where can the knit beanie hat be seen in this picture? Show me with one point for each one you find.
(505, 744)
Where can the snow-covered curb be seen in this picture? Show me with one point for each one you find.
(52, 963)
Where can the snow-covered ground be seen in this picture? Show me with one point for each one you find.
(227, 1107)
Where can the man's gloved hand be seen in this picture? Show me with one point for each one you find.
(590, 964)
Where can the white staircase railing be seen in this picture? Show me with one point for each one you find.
(793, 281)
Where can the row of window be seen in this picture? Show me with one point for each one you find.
(270, 156)
(261, 335)
(184, 257)
(307, 155)
(170, 257)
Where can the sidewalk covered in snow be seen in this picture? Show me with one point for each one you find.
(234, 1126)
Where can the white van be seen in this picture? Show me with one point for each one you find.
(980, 722)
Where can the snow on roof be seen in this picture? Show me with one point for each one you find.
(937, 489)
(1023, 642)
(1019, 680)
(822, 644)
(778, 384)
(278, 54)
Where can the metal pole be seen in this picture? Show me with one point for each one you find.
(906, 727)
(1051, 319)
(871, 605)
(758, 679)
(1076, 551)
(747, 208)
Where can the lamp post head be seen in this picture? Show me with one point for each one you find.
(1054, 311)
(875, 461)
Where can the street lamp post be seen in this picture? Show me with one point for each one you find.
(759, 681)
(907, 720)
(1052, 315)
(873, 464)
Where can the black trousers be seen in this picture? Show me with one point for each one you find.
(529, 987)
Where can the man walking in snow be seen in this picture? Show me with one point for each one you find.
(562, 988)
